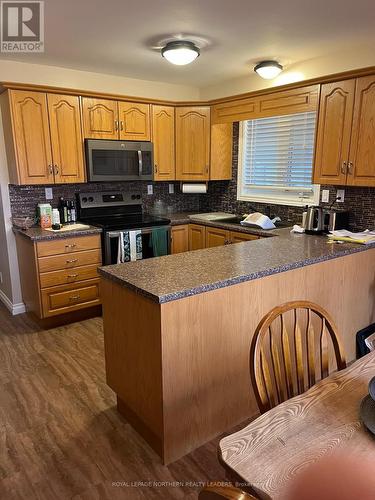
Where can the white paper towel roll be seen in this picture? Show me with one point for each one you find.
(194, 188)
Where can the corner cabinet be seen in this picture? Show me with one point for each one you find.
(345, 151)
(163, 138)
(121, 120)
(43, 137)
(192, 143)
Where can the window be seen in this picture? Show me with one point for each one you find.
(276, 160)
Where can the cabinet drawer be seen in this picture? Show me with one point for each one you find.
(66, 298)
(69, 276)
(68, 261)
(68, 245)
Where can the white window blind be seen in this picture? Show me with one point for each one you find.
(276, 159)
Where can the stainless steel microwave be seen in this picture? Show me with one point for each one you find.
(118, 160)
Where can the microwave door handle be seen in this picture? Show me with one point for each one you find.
(140, 163)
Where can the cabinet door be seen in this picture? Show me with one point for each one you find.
(100, 118)
(31, 137)
(163, 140)
(221, 151)
(180, 239)
(334, 129)
(216, 237)
(134, 121)
(192, 143)
(66, 138)
(197, 237)
(362, 148)
(237, 237)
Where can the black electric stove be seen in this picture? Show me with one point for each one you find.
(117, 212)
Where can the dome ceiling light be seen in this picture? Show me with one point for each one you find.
(268, 69)
(180, 52)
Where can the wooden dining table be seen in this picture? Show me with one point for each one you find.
(271, 450)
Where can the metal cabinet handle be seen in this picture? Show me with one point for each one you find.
(351, 168)
(75, 297)
(56, 168)
(344, 167)
(116, 125)
(71, 261)
(50, 168)
(72, 276)
(156, 169)
(122, 125)
(206, 169)
(73, 245)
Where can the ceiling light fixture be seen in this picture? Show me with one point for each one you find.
(268, 69)
(180, 52)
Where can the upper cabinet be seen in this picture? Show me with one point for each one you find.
(43, 137)
(105, 119)
(100, 118)
(345, 151)
(163, 138)
(192, 143)
(221, 151)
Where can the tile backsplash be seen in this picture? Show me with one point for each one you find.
(221, 196)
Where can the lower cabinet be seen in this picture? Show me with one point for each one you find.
(59, 276)
(180, 239)
(197, 237)
(216, 237)
(236, 237)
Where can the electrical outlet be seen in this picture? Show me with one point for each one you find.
(150, 189)
(171, 188)
(1, 277)
(49, 193)
(340, 193)
(325, 196)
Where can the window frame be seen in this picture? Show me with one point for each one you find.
(269, 197)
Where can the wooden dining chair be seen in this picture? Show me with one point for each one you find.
(224, 493)
(294, 346)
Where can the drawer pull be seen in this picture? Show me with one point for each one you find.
(73, 245)
(72, 275)
(74, 297)
(70, 261)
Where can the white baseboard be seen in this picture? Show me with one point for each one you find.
(12, 308)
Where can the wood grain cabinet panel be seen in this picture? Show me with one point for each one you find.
(221, 151)
(134, 121)
(100, 118)
(68, 245)
(197, 237)
(192, 143)
(216, 237)
(63, 299)
(64, 261)
(237, 237)
(180, 239)
(66, 138)
(69, 276)
(361, 171)
(163, 138)
(31, 137)
(334, 132)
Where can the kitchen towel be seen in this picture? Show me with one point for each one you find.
(130, 246)
(159, 241)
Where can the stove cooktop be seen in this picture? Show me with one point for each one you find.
(128, 221)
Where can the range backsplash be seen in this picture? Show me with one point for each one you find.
(221, 196)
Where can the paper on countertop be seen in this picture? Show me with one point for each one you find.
(366, 237)
(297, 229)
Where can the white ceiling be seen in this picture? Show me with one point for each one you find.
(119, 37)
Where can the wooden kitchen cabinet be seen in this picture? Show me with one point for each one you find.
(361, 169)
(221, 151)
(180, 239)
(44, 137)
(100, 118)
(192, 143)
(134, 121)
(163, 138)
(216, 237)
(66, 138)
(237, 237)
(197, 237)
(345, 147)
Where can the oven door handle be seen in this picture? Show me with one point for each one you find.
(140, 166)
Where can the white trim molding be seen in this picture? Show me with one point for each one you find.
(14, 309)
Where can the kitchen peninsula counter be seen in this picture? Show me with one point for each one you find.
(178, 329)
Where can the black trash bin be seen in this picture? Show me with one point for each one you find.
(361, 336)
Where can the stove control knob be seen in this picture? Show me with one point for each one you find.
(91, 199)
(133, 196)
(138, 196)
(84, 199)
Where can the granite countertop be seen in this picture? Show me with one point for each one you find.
(39, 234)
(173, 277)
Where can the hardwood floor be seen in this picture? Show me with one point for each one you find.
(60, 434)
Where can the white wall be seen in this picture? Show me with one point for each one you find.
(352, 58)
